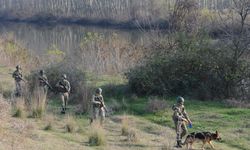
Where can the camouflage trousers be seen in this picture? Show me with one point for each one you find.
(18, 91)
(181, 129)
(64, 98)
(98, 112)
(42, 96)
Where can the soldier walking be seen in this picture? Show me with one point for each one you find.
(17, 75)
(97, 107)
(180, 118)
(63, 87)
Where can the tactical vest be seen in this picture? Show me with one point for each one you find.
(98, 99)
(17, 76)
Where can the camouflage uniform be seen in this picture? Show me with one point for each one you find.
(42, 82)
(97, 106)
(180, 119)
(42, 87)
(63, 87)
(17, 75)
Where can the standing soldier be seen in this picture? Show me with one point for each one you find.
(42, 88)
(17, 75)
(180, 119)
(43, 82)
(98, 106)
(63, 87)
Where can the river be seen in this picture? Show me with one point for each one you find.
(96, 49)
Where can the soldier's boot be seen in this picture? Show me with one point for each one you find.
(91, 121)
(63, 110)
(178, 145)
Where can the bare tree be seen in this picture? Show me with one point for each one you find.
(184, 15)
(236, 39)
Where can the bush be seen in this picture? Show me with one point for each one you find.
(192, 68)
(71, 125)
(132, 136)
(37, 112)
(18, 113)
(18, 108)
(125, 128)
(97, 137)
(48, 126)
(80, 91)
(155, 105)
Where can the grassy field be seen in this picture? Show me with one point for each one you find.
(233, 124)
(147, 129)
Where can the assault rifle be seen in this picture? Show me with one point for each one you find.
(46, 82)
(102, 105)
(19, 77)
(61, 88)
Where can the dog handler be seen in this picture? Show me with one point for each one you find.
(180, 119)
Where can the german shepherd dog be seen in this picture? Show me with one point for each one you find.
(205, 137)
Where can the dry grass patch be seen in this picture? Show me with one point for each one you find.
(49, 120)
(131, 134)
(18, 108)
(155, 105)
(125, 128)
(237, 103)
(71, 125)
(167, 146)
(97, 136)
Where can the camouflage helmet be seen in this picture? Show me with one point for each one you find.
(64, 76)
(18, 67)
(180, 100)
(98, 91)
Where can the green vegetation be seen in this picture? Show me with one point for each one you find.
(196, 66)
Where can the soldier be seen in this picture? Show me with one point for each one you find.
(98, 106)
(43, 82)
(180, 119)
(42, 88)
(17, 75)
(63, 87)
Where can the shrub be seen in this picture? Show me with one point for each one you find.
(193, 67)
(237, 103)
(18, 108)
(80, 92)
(37, 112)
(125, 128)
(155, 105)
(97, 137)
(48, 126)
(71, 125)
(132, 136)
(18, 113)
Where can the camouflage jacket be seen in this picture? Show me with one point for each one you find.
(63, 86)
(179, 113)
(98, 101)
(17, 75)
(43, 80)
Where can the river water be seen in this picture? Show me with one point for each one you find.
(102, 50)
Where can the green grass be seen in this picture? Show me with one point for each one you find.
(232, 123)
